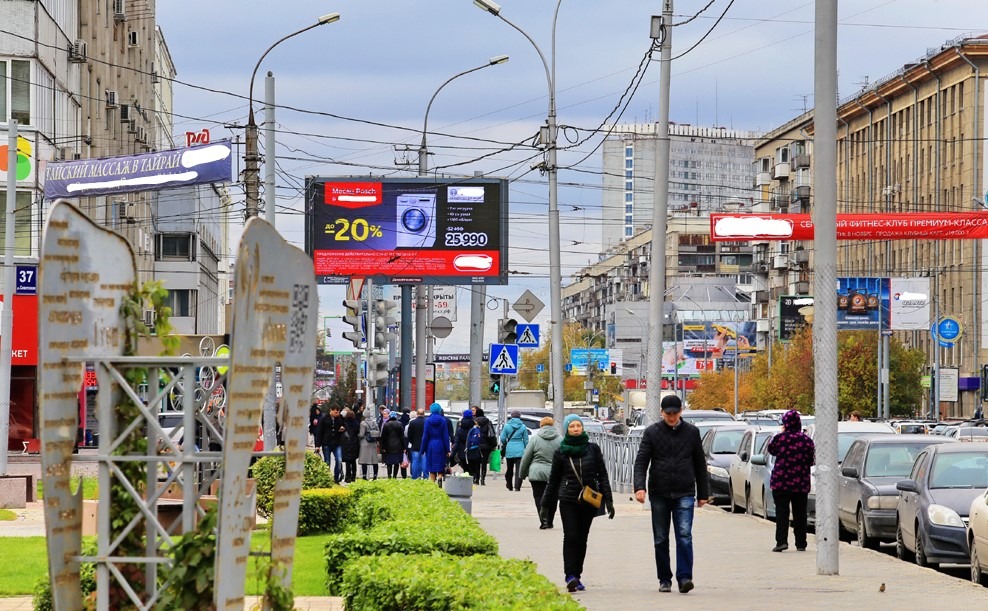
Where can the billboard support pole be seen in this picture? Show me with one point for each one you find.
(7, 313)
(405, 373)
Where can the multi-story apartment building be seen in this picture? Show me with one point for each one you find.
(704, 280)
(912, 141)
(709, 169)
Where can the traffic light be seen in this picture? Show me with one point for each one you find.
(613, 369)
(377, 369)
(506, 331)
(495, 383)
(383, 319)
(355, 318)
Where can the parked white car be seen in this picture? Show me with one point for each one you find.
(739, 472)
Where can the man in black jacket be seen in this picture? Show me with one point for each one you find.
(677, 476)
(413, 432)
(329, 436)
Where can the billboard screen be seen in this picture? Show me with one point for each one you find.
(862, 304)
(408, 231)
(795, 312)
(707, 342)
(909, 303)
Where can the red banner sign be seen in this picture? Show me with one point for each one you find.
(901, 226)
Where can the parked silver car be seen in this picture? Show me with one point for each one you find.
(752, 443)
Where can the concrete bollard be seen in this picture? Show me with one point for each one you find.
(12, 493)
(460, 489)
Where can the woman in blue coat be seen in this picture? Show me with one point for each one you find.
(514, 438)
(435, 442)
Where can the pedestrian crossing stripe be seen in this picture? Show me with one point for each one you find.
(503, 360)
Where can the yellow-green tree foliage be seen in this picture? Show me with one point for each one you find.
(788, 384)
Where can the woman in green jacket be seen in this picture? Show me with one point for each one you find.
(536, 464)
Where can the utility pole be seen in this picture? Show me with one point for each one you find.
(824, 281)
(270, 410)
(7, 313)
(661, 32)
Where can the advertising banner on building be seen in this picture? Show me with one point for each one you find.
(909, 304)
(948, 383)
(443, 301)
(25, 344)
(709, 342)
(795, 312)
(408, 231)
(145, 172)
(675, 359)
(885, 226)
(862, 304)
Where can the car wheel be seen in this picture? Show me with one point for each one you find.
(921, 559)
(864, 540)
(977, 574)
(901, 551)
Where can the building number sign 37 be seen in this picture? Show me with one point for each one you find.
(26, 280)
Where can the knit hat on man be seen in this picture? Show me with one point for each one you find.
(467, 413)
(516, 414)
(435, 408)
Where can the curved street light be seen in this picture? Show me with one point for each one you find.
(251, 183)
(555, 268)
(423, 295)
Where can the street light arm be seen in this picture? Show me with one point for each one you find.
(500, 59)
(331, 18)
(545, 64)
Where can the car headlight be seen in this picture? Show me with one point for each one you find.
(944, 516)
(718, 471)
(882, 502)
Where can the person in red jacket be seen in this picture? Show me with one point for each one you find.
(794, 455)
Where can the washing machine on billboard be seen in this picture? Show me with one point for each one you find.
(416, 226)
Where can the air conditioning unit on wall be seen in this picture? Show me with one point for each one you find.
(78, 51)
(150, 316)
(119, 10)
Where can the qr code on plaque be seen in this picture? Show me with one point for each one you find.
(300, 316)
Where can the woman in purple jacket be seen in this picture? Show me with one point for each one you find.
(794, 455)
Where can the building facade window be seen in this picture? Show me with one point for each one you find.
(176, 246)
(182, 302)
(22, 224)
(15, 91)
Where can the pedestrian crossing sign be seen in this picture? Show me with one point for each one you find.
(504, 359)
(528, 335)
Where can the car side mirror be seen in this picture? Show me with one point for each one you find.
(759, 459)
(744, 457)
(851, 472)
(907, 485)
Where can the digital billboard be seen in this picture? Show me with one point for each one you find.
(707, 342)
(409, 230)
(795, 312)
(862, 304)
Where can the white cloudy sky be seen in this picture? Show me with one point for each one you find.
(375, 70)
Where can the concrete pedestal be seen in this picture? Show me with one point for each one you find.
(13, 493)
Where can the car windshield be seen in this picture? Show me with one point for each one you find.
(909, 429)
(727, 441)
(972, 432)
(844, 441)
(761, 421)
(593, 427)
(960, 470)
(886, 460)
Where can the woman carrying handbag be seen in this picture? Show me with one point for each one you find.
(578, 480)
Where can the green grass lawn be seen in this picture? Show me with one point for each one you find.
(7, 515)
(18, 578)
(90, 487)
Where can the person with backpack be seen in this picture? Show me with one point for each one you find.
(536, 464)
(488, 441)
(466, 446)
(514, 438)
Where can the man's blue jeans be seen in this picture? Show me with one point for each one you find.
(418, 459)
(680, 511)
(329, 452)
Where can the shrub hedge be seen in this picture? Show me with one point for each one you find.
(403, 517)
(268, 470)
(324, 510)
(439, 582)
(42, 599)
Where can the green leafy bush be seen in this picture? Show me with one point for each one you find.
(42, 599)
(270, 469)
(387, 519)
(385, 583)
(324, 510)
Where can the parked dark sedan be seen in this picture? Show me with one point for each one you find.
(867, 494)
(932, 511)
(720, 444)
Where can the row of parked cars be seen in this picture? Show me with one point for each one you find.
(927, 493)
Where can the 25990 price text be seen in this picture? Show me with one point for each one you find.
(466, 238)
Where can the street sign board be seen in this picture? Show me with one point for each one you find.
(528, 306)
(528, 335)
(540, 368)
(504, 359)
(26, 280)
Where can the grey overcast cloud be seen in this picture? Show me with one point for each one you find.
(350, 92)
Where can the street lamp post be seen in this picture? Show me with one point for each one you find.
(423, 304)
(251, 158)
(555, 270)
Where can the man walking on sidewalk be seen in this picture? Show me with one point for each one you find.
(671, 455)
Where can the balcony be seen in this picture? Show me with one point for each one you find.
(802, 257)
(780, 262)
(781, 170)
(761, 296)
(762, 179)
(803, 287)
(801, 161)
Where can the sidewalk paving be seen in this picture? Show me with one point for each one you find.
(734, 565)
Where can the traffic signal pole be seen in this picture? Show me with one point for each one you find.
(369, 402)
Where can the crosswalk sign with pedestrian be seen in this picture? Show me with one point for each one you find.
(528, 335)
(504, 359)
